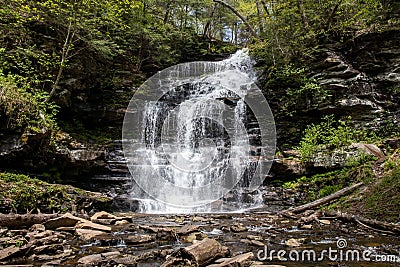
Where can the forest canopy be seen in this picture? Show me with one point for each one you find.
(41, 40)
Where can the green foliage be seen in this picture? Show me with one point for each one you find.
(300, 92)
(293, 32)
(22, 193)
(25, 108)
(324, 184)
(329, 135)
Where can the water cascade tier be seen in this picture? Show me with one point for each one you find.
(199, 137)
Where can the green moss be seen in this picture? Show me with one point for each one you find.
(22, 193)
(383, 201)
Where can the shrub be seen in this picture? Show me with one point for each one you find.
(329, 135)
(25, 108)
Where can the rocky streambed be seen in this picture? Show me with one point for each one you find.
(245, 239)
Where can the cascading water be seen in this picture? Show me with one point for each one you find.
(191, 142)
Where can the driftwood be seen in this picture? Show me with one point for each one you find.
(198, 254)
(385, 227)
(26, 220)
(324, 200)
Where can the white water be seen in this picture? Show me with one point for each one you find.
(193, 140)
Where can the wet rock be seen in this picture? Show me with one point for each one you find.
(105, 221)
(85, 224)
(187, 229)
(239, 260)
(52, 263)
(306, 227)
(121, 222)
(97, 258)
(102, 215)
(127, 260)
(37, 228)
(237, 228)
(287, 167)
(66, 220)
(154, 229)
(324, 222)
(257, 243)
(198, 254)
(91, 259)
(8, 252)
(254, 237)
(47, 249)
(85, 155)
(87, 234)
(295, 242)
(138, 239)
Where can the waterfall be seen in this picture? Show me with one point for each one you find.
(193, 141)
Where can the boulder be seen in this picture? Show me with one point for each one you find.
(102, 215)
(85, 224)
(88, 234)
(67, 220)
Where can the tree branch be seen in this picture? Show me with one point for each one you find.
(64, 55)
(324, 200)
(332, 15)
(252, 31)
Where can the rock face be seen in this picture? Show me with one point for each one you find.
(362, 79)
(15, 146)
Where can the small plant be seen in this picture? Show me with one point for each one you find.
(19, 243)
(329, 135)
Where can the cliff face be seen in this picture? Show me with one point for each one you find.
(362, 80)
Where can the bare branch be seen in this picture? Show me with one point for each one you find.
(252, 31)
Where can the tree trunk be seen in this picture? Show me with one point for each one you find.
(324, 200)
(304, 18)
(166, 15)
(259, 15)
(374, 224)
(64, 55)
(252, 31)
(332, 15)
(265, 7)
(13, 221)
(208, 24)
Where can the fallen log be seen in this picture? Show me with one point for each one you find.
(198, 254)
(319, 202)
(12, 221)
(385, 227)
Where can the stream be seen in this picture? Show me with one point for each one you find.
(145, 240)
